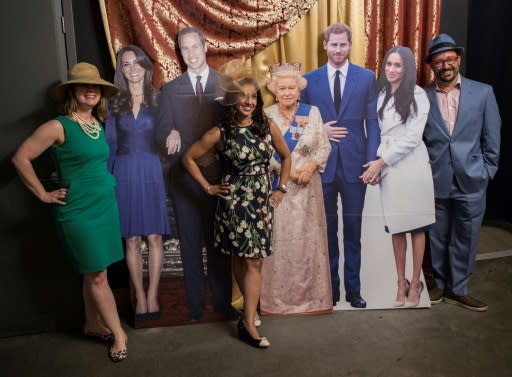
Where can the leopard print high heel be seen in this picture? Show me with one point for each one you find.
(120, 355)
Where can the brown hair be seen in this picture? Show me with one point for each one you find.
(405, 104)
(70, 104)
(338, 28)
(189, 30)
(121, 101)
(230, 117)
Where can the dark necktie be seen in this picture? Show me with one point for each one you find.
(199, 89)
(337, 92)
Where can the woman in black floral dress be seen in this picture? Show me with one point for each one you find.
(245, 139)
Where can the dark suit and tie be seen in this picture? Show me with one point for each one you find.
(356, 112)
(199, 89)
(186, 108)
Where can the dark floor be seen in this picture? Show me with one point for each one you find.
(444, 340)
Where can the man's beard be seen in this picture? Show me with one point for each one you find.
(441, 73)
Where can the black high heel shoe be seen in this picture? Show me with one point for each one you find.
(257, 318)
(244, 336)
(153, 316)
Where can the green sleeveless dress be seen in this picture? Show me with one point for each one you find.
(88, 225)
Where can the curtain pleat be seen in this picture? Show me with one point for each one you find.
(411, 23)
(233, 28)
(271, 31)
(304, 43)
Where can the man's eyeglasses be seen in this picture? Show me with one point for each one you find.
(439, 63)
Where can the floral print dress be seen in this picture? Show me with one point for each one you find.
(243, 221)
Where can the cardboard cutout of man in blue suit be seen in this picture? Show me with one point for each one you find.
(348, 103)
(462, 136)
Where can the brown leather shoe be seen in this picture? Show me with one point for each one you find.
(466, 302)
(436, 295)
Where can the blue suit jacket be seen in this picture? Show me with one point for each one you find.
(358, 113)
(471, 153)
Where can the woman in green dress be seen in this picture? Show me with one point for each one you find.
(85, 207)
(245, 139)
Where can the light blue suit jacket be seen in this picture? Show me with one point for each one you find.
(471, 153)
(358, 113)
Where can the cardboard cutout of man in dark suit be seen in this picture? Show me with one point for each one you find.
(187, 110)
(347, 98)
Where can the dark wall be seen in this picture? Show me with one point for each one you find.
(478, 26)
(489, 59)
(38, 289)
(454, 21)
(91, 42)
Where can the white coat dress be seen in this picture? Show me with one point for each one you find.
(406, 187)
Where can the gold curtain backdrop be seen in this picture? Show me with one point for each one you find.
(304, 43)
(271, 31)
(233, 28)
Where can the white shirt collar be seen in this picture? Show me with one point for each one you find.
(204, 76)
(343, 69)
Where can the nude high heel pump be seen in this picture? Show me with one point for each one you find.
(403, 291)
(415, 302)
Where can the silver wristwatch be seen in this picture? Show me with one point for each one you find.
(282, 187)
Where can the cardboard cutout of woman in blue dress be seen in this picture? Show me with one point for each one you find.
(135, 163)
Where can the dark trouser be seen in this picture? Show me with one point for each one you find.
(195, 212)
(427, 265)
(352, 199)
(454, 238)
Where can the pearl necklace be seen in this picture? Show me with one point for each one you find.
(289, 118)
(90, 129)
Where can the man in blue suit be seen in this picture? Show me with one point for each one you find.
(462, 135)
(346, 96)
(187, 110)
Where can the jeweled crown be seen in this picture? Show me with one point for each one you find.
(284, 67)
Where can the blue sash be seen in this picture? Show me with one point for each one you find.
(293, 134)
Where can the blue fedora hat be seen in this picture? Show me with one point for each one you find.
(443, 42)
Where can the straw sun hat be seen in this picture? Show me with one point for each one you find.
(84, 73)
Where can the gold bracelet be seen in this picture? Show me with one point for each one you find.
(208, 189)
